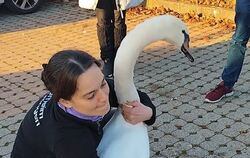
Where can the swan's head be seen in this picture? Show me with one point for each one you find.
(177, 34)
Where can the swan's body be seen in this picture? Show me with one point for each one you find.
(121, 139)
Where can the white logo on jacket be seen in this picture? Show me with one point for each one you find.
(38, 112)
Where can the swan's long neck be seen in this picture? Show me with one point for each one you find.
(155, 29)
(167, 28)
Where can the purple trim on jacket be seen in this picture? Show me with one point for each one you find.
(79, 115)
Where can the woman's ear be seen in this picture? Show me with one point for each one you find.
(65, 103)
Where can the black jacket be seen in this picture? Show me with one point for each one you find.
(48, 132)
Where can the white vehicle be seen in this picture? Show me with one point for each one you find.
(22, 6)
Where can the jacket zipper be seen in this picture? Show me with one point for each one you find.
(98, 127)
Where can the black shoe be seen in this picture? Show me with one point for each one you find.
(108, 68)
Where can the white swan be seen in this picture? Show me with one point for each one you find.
(121, 139)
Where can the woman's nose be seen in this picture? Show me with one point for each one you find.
(102, 96)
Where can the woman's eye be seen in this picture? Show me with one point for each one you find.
(104, 84)
(91, 96)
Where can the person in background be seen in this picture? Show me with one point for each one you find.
(111, 27)
(236, 54)
(68, 121)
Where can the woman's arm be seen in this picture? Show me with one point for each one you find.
(147, 102)
(136, 112)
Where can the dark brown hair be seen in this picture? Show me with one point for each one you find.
(62, 71)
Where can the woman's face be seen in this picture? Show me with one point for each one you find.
(92, 93)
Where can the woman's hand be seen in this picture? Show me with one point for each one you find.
(135, 112)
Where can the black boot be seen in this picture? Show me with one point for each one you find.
(108, 68)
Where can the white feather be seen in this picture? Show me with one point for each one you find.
(121, 139)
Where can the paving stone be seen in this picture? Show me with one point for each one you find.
(244, 137)
(225, 152)
(196, 102)
(225, 109)
(170, 152)
(164, 118)
(184, 98)
(185, 127)
(191, 128)
(202, 122)
(156, 134)
(180, 91)
(209, 145)
(20, 95)
(213, 156)
(176, 112)
(206, 133)
(12, 120)
(6, 107)
(211, 116)
(183, 146)
(6, 156)
(7, 139)
(236, 145)
(241, 156)
(246, 120)
(246, 152)
(3, 132)
(14, 127)
(189, 117)
(195, 139)
(158, 146)
(239, 101)
(235, 115)
(164, 108)
(220, 139)
(181, 134)
(179, 123)
(9, 113)
(6, 149)
(235, 129)
(207, 107)
(169, 140)
(152, 153)
(221, 124)
(167, 128)
(197, 152)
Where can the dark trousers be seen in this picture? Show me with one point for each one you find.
(237, 49)
(111, 28)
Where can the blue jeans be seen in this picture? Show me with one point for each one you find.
(237, 49)
(111, 28)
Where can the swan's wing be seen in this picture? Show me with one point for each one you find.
(123, 140)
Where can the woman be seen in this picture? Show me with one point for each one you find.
(67, 122)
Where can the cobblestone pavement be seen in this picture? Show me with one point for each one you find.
(186, 127)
